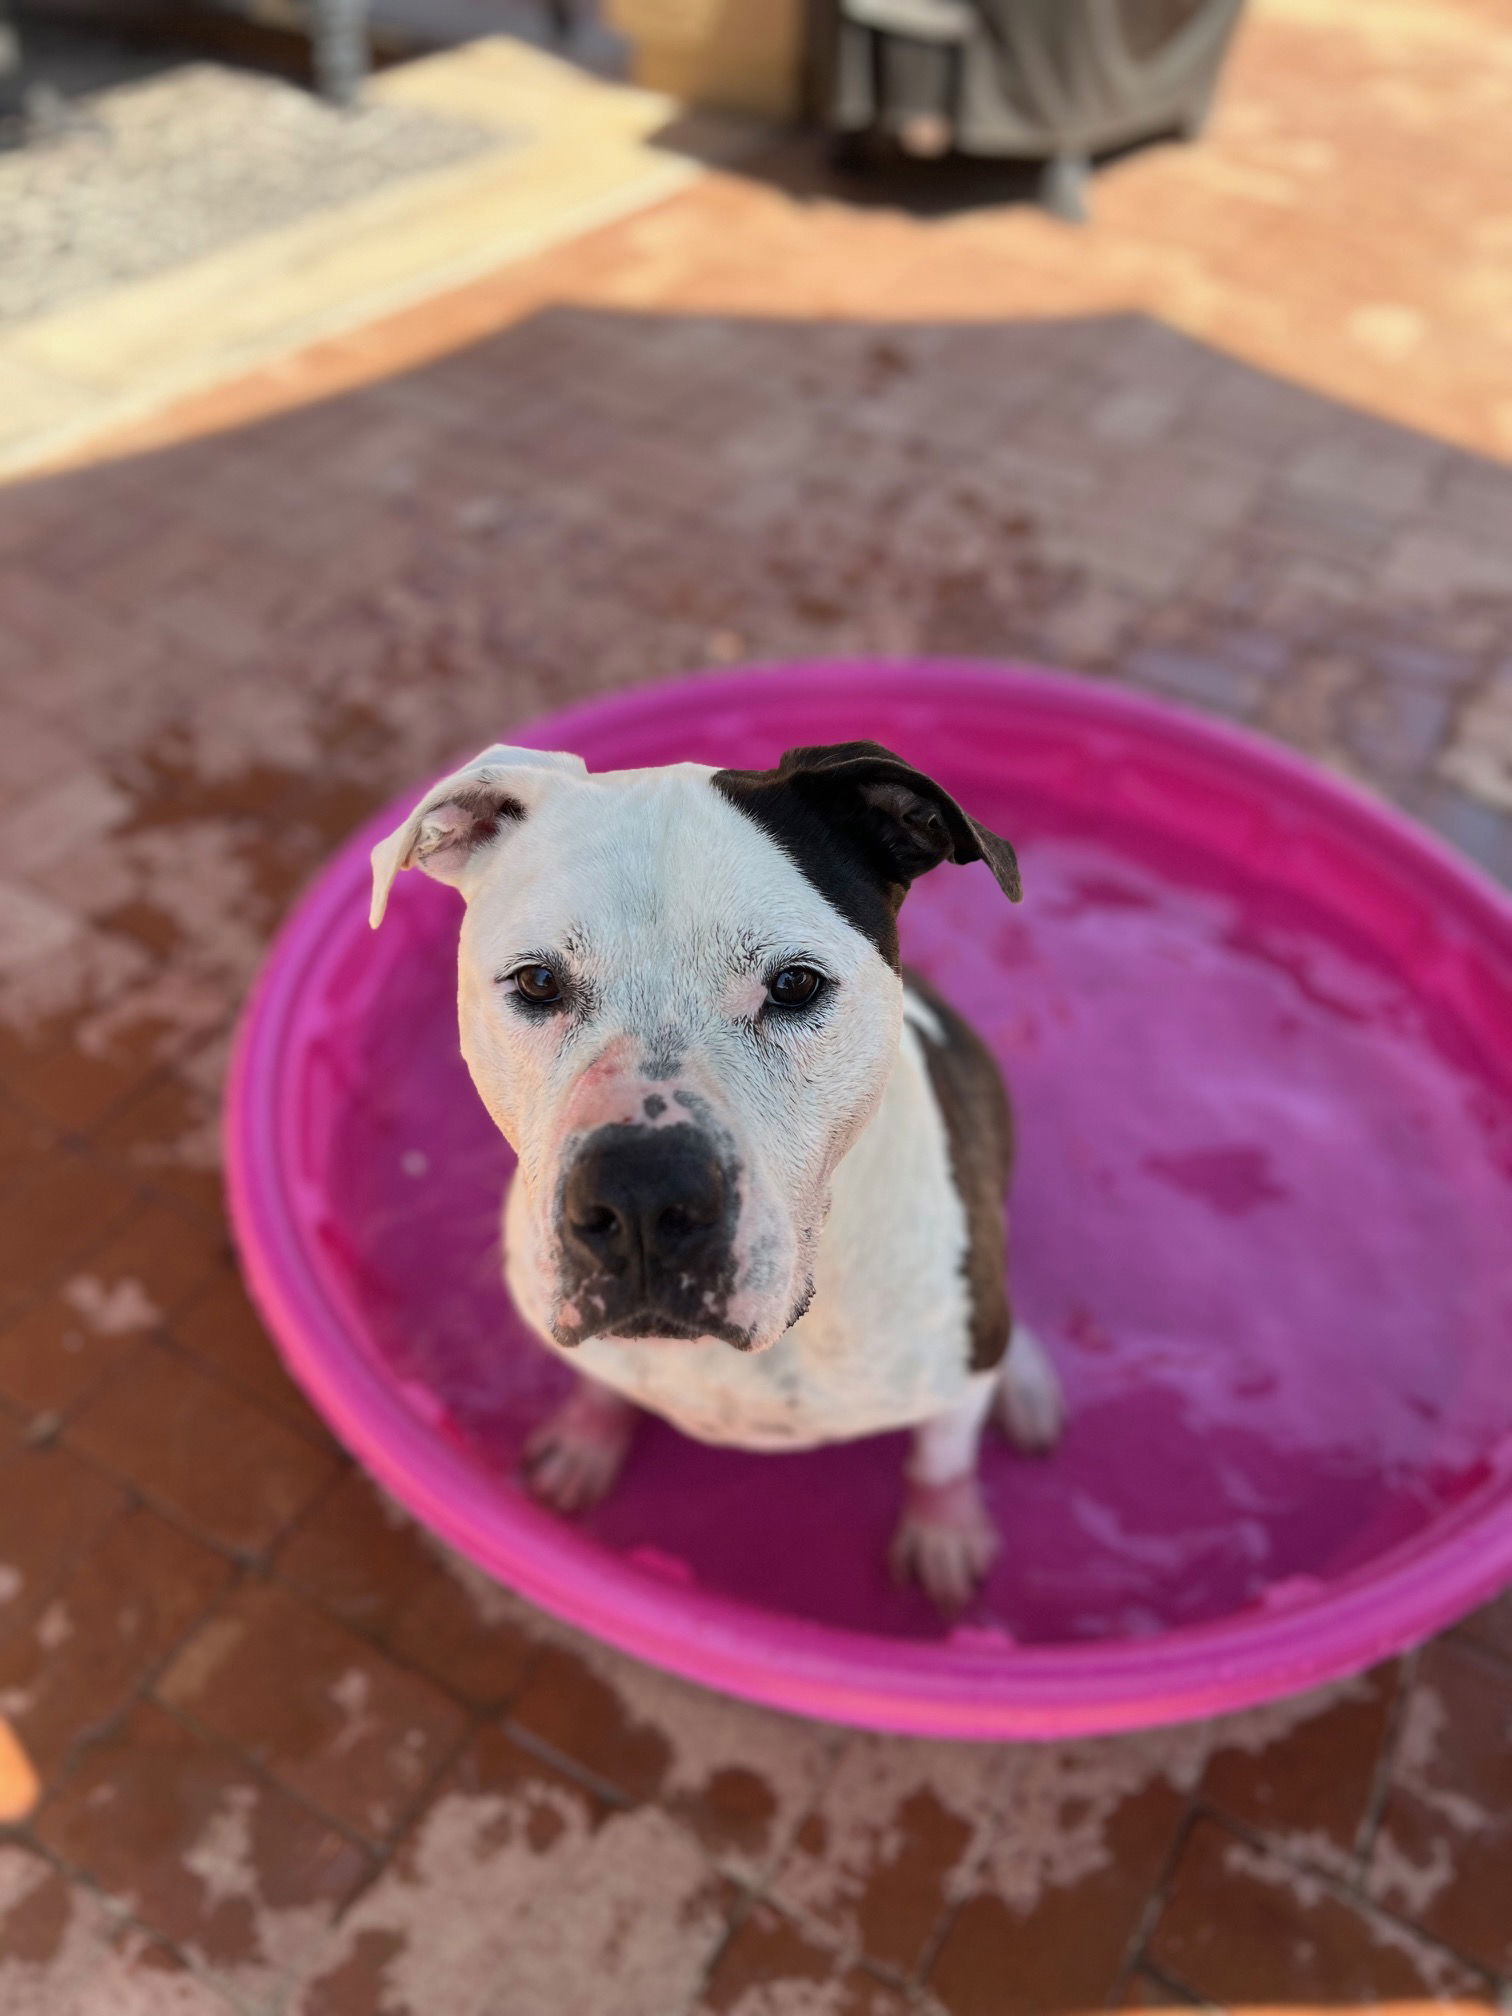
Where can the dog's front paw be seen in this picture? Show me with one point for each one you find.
(573, 1459)
(1031, 1405)
(946, 1540)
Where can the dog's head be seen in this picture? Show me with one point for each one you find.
(680, 1001)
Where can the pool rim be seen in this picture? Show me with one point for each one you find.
(966, 1685)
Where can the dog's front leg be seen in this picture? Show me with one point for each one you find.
(574, 1457)
(946, 1538)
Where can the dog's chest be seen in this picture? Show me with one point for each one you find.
(885, 1343)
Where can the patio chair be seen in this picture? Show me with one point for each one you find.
(1053, 81)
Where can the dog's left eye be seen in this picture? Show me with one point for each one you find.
(537, 984)
(794, 987)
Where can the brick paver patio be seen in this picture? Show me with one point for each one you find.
(294, 1759)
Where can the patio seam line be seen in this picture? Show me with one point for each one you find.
(546, 1752)
(744, 1902)
(70, 1560)
(248, 1559)
(385, 1852)
(314, 1432)
(146, 1693)
(813, 1927)
(369, 1844)
(1384, 1776)
(960, 1888)
(119, 1914)
(77, 1149)
(1275, 1850)
(143, 1689)
(119, 1159)
(1182, 1991)
(1136, 1952)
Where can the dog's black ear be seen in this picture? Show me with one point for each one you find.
(908, 822)
(862, 824)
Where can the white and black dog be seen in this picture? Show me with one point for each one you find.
(761, 1169)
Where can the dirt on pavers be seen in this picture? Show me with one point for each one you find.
(221, 657)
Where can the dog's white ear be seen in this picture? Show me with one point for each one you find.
(460, 816)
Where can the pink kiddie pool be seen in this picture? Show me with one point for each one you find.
(1259, 1034)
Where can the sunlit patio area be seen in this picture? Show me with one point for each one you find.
(562, 387)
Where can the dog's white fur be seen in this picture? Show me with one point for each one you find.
(880, 1346)
(672, 908)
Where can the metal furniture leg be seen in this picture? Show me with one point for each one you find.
(12, 90)
(1063, 187)
(339, 31)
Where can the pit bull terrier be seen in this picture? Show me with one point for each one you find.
(761, 1167)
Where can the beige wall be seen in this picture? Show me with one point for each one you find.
(743, 55)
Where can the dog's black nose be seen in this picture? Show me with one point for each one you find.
(647, 1207)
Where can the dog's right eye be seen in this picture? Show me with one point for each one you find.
(538, 985)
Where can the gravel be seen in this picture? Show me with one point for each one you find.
(145, 176)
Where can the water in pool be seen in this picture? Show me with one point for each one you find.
(1252, 1221)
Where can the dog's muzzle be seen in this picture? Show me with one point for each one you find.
(647, 1235)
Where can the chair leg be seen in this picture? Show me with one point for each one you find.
(1063, 187)
(339, 31)
(1194, 119)
(12, 88)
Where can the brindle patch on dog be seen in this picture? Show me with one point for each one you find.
(979, 1128)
